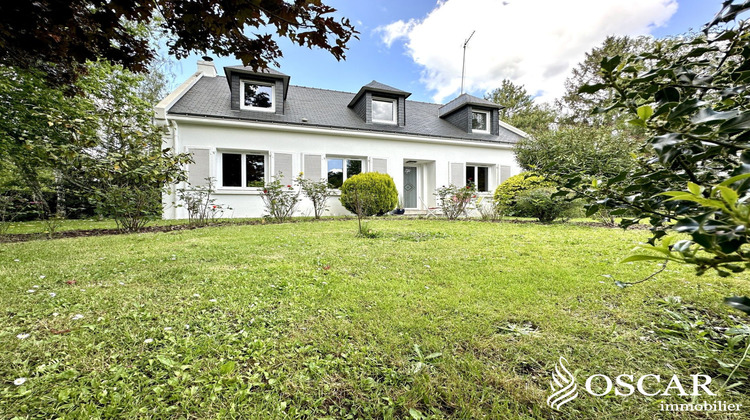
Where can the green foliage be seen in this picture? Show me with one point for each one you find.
(593, 152)
(131, 207)
(280, 200)
(201, 207)
(107, 31)
(316, 191)
(369, 194)
(542, 204)
(506, 194)
(689, 97)
(520, 109)
(454, 200)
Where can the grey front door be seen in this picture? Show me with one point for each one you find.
(410, 187)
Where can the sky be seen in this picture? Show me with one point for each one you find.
(416, 45)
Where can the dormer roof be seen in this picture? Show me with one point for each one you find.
(250, 73)
(464, 100)
(377, 87)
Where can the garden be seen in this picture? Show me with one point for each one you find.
(430, 319)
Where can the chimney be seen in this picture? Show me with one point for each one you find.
(206, 66)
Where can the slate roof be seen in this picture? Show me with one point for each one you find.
(466, 99)
(210, 97)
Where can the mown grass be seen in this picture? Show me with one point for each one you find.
(306, 320)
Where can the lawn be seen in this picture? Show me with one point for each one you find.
(433, 319)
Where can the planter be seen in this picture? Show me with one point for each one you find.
(399, 211)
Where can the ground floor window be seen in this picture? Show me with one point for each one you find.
(479, 176)
(243, 170)
(340, 169)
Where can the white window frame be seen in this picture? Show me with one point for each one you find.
(255, 108)
(490, 169)
(243, 168)
(486, 119)
(343, 169)
(394, 110)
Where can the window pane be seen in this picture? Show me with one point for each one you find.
(353, 167)
(479, 121)
(382, 110)
(255, 170)
(470, 175)
(258, 96)
(482, 175)
(335, 173)
(231, 170)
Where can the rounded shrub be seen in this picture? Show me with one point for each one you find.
(543, 205)
(371, 193)
(506, 194)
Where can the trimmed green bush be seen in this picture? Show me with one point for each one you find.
(372, 193)
(506, 194)
(540, 203)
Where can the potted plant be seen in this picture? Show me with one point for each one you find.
(399, 208)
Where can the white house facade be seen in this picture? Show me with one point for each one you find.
(247, 127)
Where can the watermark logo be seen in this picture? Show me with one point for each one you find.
(563, 384)
(565, 389)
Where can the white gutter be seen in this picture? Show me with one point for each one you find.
(334, 132)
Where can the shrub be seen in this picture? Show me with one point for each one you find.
(376, 194)
(316, 191)
(453, 200)
(542, 204)
(280, 200)
(201, 207)
(132, 208)
(506, 194)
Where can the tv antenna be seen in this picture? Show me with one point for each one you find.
(463, 66)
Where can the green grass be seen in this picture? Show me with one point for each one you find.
(307, 320)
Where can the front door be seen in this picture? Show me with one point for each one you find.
(410, 187)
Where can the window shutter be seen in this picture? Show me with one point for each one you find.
(458, 174)
(282, 164)
(504, 173)
(380, 165)
(199, 170)
(312, 166)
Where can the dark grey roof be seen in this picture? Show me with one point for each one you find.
(268, 73)
(378, 87)
(466, 99)
(210, 97)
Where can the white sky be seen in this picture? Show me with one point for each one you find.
(532, 42)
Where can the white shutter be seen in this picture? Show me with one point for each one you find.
(200, 169)
(312, 167)
(282, 164)
(504, 173)
(458, 174)
(379, 165)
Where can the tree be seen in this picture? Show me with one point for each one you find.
(597, 152)
(520, 109)
(59, 37)
(126, 169)
(690, 97)
(576, 105)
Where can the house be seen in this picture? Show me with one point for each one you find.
(245, 127)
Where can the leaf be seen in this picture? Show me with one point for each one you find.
(739, 302)
(708, 115)
(739, 123)
(645, 112)
(620, 284)
(166, 361)
(416, 414)
(734, 179)
(433, 356)
(643, 257)
(227, 367)
(592, 88)
(694, 188)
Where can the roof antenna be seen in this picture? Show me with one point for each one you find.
(463, 66)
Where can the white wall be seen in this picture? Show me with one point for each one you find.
(238, 136)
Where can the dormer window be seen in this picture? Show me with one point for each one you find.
(257, 96)
(480, 122)
(384, 110)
